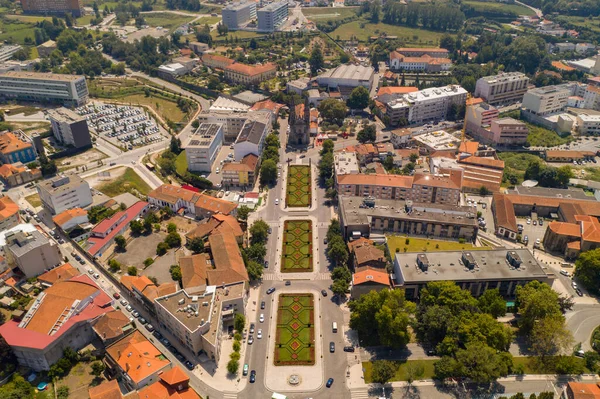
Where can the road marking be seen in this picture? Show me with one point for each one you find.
(230, 395)
(359, 393)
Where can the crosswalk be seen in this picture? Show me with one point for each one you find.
(323, 276)
(269, 277)
(275, 277)
(359, 393)
(230, 395)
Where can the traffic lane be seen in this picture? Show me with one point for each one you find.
(582, 323)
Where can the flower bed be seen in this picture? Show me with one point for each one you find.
(295, 334)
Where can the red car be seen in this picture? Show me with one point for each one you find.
(116, 295)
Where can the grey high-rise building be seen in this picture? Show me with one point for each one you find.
(70, 128)
(236, 15)
(271, 17)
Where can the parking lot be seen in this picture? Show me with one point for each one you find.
(532, 231)
(123, 125)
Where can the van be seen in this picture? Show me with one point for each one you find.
(334, 327)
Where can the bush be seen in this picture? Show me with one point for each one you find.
(132, 271)
(148, 262)
(235, 356)
(407, 241)
(237, 336)
(236, 346)
(162, 248)
(233, 366)
(461, 240)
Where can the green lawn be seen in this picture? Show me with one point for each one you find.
(208, 20)
(85, 20)
(424, 245)
(34, 200)
(408, 35)
(167, 20)
(15, 30)
(240, 34)
(401, 374)
(502, 7)
(591, 23)
(167, 109)
(297, 246)
(29, 18)
(324, 14)
(181, 163)
(129, 182)
(295, 335)
(516, 163)
(536, 366)
(298, 186)
(540, 136)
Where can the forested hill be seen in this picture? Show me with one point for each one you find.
(567, 7)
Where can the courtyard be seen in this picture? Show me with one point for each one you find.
(297, 246)
(295, 335)
(298, 186)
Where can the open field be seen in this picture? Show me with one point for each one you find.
(297, 246)
(298, 192)
(128, 182)
(499, 7)
(409, 35)
(167, 20)
(591, 23)
(398, 244)
(166, 108)
(542, 137)
(15, 30)
(295, 336)
(29, 18)
(240, 34)
(85, 20)
(324, 14)
(34, 200)
(516, 163)
(208, 20)
(181, 163)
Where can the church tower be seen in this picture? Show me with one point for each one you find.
(299, 122)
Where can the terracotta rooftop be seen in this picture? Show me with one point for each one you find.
(376, 180)
(452, 181)
(10, 143)
(470, 147)
(217, 57)
(215, 205)
(568, 154)
(368, 253)
(106, 390)
(111, 324)
(194, 270)
(396, 90)
(145, 286)
(137, 356)
(177, 388)
(8, 208)
(483, 161)
(228, 262)
(174, 376)
(370, 275)
(8, 170)
(251, 70)
(171, 194)
(267, 104)
(583, 391)
(590, 227)
(565, 229)
(67, 215)
(424, 49)
(60, 273)
(359, 243)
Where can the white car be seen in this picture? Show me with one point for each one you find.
(261, 318)
(276, 201)
(218, 170)
(259, 334)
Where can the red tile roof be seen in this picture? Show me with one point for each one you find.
(370, 275)
(130, 214)
(396, 90)
(376, 180)
(67, 215)
(61, 273)
(251, 70)
(106, 390)
(8, 208)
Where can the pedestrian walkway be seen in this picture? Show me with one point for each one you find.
(323, 276)
(269, 277)
(359, 393)
(230, 395)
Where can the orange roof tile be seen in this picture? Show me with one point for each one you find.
(423, 49)
(360, 242)
(106, 390)
(267, 104)
(376, 180)
(565, 229)
(470, 147)
(370, 275)
(193, 270)
(67, 215)
(10, 143)
(61, 273)
(174, 376)
(561, 66)
(453, 181)
(8, 170)
(396, 90)
(368, 253)
(137, 356)
(228, 261)
(483, 161)
(110, 325)
(8, 208)
(584, 391)
(590, 229)
(251, 70)
(568, 154)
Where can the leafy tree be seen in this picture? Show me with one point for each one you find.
(173, 239)
(492, 302)
(268, 172)
(162, 248)
(132, 271)
(367, 134)
(341, 273)
(233, 366)
(337, 251)
(448, 42)
(97, 368)
(243, 212)
(359, 98)
(384, 314)
(175, 271)
(62, 392)
(333, 110)
(121, 242)
(569, 365)
(383, 371)
(591, 359)
(477, 362)
(563, 174)
(171, 228)
(148, 262)
(587, 270)
(414, 370)
(196, 245)
(549, 336)
(535, 301)
(255, 270)
(114, 265)
(259, 232)
(257, 251)
(326, 166)
(175, 145)
(339, 287)
(239, 322)
(316, 60)
(468, 83)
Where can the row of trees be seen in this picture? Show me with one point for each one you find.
(326, 168)
(254, 254)
(431, 16)
(337, 252)
(548, 176)
(145, 55)
(270, 159)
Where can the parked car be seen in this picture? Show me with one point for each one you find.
(157, 334)
(96, 276)
(262, 305)
(261, 318)
(116, 295)
(149, 327)
(288, 282)
(124, 302)
(348, 348)
(129, 308)
(578, 291)
(252, 328)
(323, 292)
(136, 314)
(91, 271)
(329, 383)
(259, 334)
(189, 365)
(245, 369)
(253, 376)
(564, 273)
(250, 340)
(142, 321)
(332, 347)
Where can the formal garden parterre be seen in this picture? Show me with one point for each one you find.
(295, 335)
(297, 247)
(298, 186)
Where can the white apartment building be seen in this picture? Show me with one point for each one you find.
(203, 147)
(64, 192)
(251, 139)
(433, 103)
(232, 121)
(345, 163)
(546, 100)
(70, 128)
(238, 14)
(32, 252)
(69, 90)
(8, 50)
(271, 17)
(588, 124)
(505, 88)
